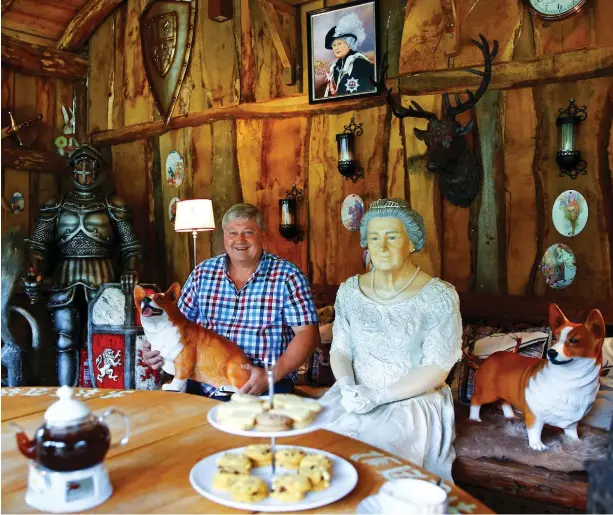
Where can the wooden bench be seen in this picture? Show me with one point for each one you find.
(504, 485)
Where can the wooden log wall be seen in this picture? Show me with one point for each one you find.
(255, 156)
(26, 96)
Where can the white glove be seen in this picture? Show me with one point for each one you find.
(362, 399)
(345, 381)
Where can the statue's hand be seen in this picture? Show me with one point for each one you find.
(128, 281)
(32, 285)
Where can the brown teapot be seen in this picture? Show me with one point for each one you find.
(72, 438)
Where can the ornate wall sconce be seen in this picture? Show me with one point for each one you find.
(569, 160)
(346, 152)
(288, 227)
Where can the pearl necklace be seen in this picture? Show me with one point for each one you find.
(372, 285)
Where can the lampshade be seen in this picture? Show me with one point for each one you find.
(194, 216)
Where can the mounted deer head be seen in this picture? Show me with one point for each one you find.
(448, 155)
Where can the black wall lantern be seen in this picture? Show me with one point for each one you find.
(569, 160)
(346, 152)
(288, 227)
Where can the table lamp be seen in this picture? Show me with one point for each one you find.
(194, 216)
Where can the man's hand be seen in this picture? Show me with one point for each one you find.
(258, 382)
(152, 357)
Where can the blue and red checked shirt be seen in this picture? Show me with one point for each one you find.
(260, 315)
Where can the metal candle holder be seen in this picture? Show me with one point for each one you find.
(288, 226)
(347, 165)
(569, 160)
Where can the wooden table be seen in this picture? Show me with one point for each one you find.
(170, 434)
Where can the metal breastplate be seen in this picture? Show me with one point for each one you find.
(84, 229)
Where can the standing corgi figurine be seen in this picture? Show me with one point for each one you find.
(558, 390)
(189, 350)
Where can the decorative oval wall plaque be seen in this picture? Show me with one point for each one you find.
(569, 213)
(559, 266)
(17, 203)
(175, 171)
(172, 209)
(352, 211)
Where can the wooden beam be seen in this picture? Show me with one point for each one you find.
(85, 23)
(39, 60)
(33, 160)
(7, 5)
(570, 66)
(511, 478)
(287, 107)
(283, 50)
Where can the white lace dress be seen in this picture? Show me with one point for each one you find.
(386, 342)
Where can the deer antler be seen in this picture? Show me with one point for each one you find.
(403, 112)
(473, 98)
(397, 108)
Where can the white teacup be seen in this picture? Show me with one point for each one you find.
(412, 497)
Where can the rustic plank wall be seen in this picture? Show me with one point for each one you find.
(493, 246)
(26, 96)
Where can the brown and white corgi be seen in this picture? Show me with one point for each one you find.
(558, 390)
(189, 350)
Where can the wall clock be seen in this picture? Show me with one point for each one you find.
(555, 9)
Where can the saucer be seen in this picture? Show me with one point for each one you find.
(369, 505)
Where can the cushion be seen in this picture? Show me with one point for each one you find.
(601, 413)
(482, 341)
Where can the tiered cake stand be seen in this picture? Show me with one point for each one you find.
(344, 474)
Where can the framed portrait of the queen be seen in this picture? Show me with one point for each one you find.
(343, 51)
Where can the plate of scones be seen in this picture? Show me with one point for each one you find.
(242, 478)
(250, 415)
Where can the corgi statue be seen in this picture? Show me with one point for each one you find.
(190, 351)
(558, 390)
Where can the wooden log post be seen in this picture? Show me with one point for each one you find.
(85, 23)
(491, 240)
(39, 60)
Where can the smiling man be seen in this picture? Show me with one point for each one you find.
(259, 301)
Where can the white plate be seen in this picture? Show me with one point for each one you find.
(369, 505)
(321, 419)
(344, 479)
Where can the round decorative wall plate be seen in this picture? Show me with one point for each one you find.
(17, 203)
(352, 211)
(175, 171)
(559, 266)
(569, 213)
(172, 209)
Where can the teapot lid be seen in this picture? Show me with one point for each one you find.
(66, 411)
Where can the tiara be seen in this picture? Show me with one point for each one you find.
(384, 204)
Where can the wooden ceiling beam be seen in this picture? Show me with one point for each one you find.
(85, 23)
(34, 59)
(587, 63)
(19, 158)
(287, 107)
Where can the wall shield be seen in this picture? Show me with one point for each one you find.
(167, 30)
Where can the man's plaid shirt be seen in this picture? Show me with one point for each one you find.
(260, 315)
